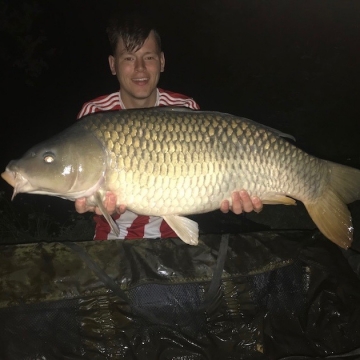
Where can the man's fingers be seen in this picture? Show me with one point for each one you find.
(242, 202)
(121, 209)
(246, 202)
(225, 206)
(110, 203)
(238, 201)
(81, 206)
(257, 204)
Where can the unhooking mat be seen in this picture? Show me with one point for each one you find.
(270, 295)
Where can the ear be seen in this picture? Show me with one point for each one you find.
(112, 64)
(162, 62)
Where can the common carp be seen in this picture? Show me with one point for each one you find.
(173, 162)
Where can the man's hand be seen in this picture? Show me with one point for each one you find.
(241, 202)
(109, 203)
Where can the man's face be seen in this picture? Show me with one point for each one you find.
(138, 72)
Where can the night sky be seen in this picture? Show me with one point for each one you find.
(290, 64)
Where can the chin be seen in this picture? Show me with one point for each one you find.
(142, 95)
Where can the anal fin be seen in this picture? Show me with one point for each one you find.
(186, 229)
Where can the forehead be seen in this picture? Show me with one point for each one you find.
(149, 45)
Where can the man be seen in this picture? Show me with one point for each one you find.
(137, 61)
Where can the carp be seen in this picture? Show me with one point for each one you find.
(173, 162)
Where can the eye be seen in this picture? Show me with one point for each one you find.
(48, 158)
(151, 57)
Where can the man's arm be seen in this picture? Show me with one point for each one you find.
(241, 202)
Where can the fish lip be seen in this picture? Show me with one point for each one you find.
(16, 180)
(9, 176)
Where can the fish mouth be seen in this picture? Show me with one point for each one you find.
(9, 177)
(16, 180)
(21, 184)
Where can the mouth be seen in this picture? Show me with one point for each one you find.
(15, 180)
(9, 177)
(141, 81)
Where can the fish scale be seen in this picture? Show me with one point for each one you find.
(172, 162)
(193, 157)
(216, 139)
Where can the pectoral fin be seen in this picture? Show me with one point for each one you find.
(107, 216)
(186, 229)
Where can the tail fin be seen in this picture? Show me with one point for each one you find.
(329, 212)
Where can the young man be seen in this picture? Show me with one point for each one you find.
(137, 61)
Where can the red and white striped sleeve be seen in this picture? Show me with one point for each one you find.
(101, 103)
(169, 98)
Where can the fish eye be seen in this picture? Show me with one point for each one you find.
(49, 158)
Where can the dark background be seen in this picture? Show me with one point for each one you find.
(292, 65)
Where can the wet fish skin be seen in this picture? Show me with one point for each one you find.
(175, 162)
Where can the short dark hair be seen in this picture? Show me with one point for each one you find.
(133, 28)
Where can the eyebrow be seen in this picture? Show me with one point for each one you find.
(125, 52)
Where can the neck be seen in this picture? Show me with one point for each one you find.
(129, 102)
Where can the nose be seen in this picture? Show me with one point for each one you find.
(139, 64)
